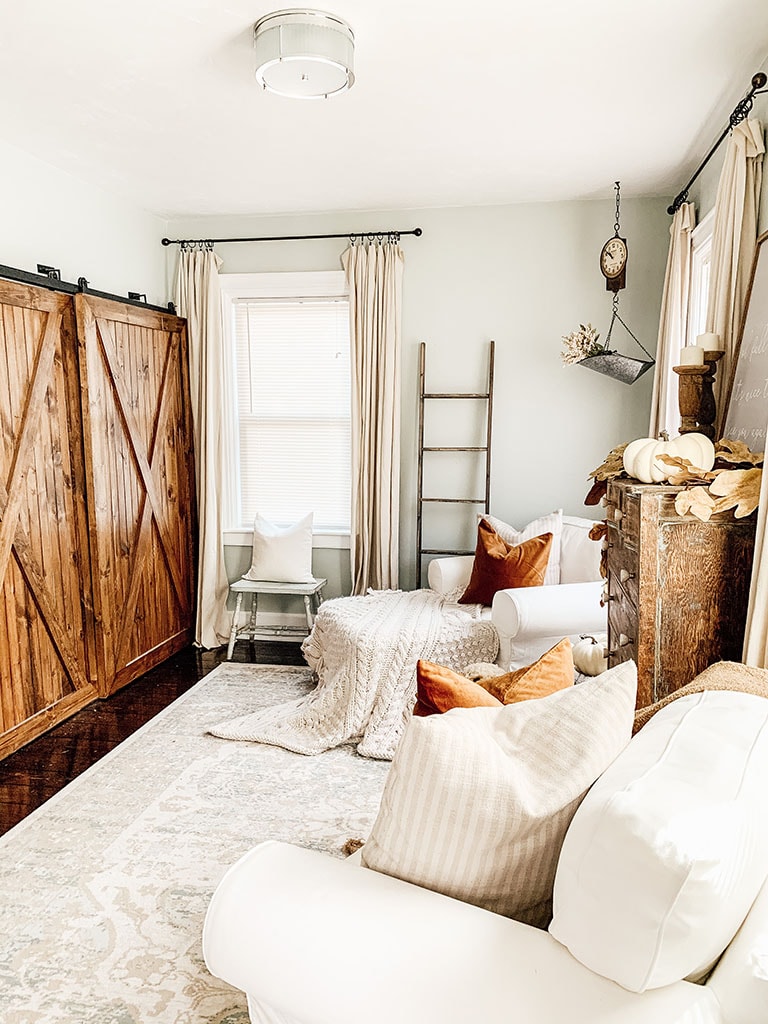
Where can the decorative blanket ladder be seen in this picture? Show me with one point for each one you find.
(480, 450)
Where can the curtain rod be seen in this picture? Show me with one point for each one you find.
(351, 235)
(739, 113)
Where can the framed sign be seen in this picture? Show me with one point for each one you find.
(746, 400)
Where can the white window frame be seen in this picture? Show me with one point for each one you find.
(701, 255)
(292, 284)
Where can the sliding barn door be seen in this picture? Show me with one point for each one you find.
(141, 494)
(45, 669)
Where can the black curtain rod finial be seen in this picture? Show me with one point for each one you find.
(739, 113)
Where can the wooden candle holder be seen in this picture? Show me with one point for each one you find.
(696, 397)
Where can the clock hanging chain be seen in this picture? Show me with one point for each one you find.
(617, 186)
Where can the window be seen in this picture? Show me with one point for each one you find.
(698, 295)
(289, 346)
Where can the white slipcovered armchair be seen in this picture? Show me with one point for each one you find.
(530, 620)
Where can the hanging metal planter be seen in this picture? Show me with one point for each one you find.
(614, 364)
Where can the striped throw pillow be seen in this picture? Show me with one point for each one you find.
(477, 801)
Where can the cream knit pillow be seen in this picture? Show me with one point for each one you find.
(478, 800)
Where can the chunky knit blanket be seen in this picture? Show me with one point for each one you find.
(364, 651)
(723, 675)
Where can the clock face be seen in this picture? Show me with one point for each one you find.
(613, 258)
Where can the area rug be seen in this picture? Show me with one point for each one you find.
(104, 888)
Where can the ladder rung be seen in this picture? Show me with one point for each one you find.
(459, 501)
(466, 448)
(442, 395)
(445, 551)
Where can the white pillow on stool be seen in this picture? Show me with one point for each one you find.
(282, 554)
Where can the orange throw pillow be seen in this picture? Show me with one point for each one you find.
(500, 566)
(552, 672)
(439, 689)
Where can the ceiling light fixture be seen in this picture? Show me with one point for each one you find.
(304, 54)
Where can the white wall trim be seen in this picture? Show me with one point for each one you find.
(243, 538)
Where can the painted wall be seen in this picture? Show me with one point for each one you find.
(522, 275)
(50, 217)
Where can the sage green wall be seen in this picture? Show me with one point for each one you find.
(523, 275)
(49, 216)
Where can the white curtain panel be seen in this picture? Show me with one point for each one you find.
(756, 632)
(673, 323)
(198, 298)
(733, 242)
(374, 275)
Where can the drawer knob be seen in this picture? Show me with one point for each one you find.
(618, 515)
(625, 575)
(624, 640)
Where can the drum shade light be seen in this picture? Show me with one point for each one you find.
(304, 54)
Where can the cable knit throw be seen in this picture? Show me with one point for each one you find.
(364, 651)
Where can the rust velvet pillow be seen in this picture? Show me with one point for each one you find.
(552, 672)
(439, 689)
(500, 566)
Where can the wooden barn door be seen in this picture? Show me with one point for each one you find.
(141, 492)
(45, 668)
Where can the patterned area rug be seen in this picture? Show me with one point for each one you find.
(104, 888)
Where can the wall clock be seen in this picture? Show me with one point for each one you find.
(613, 255)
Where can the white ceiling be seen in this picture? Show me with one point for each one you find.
(495, 101)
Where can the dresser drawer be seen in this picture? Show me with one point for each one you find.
(623, 513)
(622, 631)
(622, 573)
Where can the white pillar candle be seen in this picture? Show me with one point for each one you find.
(691, 355)
(709, 342)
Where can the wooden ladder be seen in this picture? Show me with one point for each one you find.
(424, 397)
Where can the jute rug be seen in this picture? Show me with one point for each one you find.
(104, 888)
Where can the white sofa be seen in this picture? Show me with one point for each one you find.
(315, 940)
(530, 620)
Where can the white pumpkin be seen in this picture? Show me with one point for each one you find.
(589, 655)
(641, 456)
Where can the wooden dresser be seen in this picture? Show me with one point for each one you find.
(677, 587)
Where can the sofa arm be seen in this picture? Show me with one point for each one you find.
(530, 620)
(446, 575)
(323, 942)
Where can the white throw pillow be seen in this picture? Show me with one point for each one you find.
(282, 554)
(670, 847)
(579, 554)
(477, 800)
(551, 523)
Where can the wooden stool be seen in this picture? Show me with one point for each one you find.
(311, 592)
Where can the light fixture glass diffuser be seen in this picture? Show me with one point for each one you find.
(304, 54)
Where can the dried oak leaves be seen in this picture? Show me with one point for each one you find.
(706, 494)
(703, 494)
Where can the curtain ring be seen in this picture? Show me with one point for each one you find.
(352, 238)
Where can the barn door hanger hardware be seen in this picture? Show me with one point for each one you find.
(52, 272)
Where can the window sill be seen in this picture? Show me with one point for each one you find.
(243, 538)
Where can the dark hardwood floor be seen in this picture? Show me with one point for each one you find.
(33, 774)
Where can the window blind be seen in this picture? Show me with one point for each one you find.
(293, 409)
